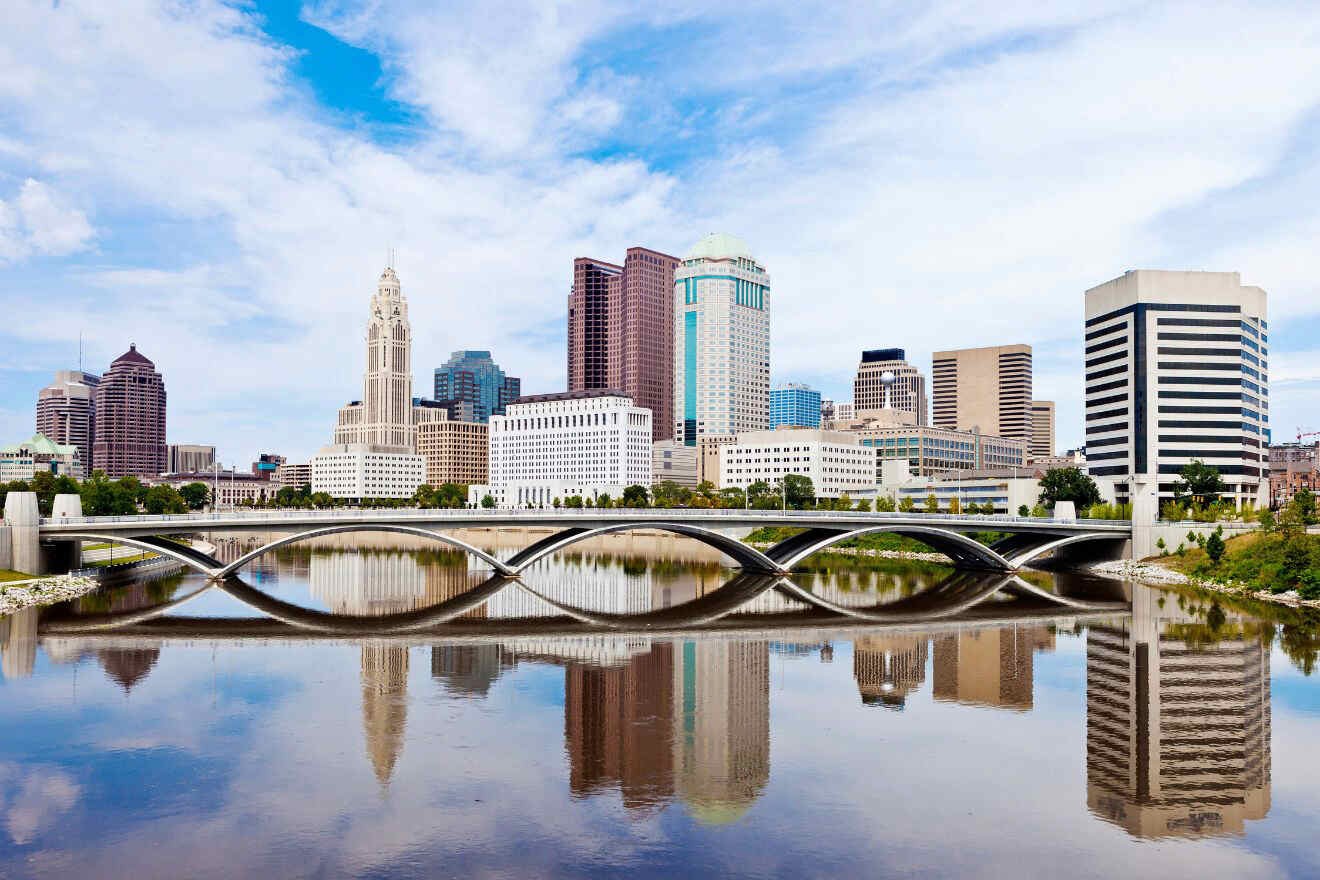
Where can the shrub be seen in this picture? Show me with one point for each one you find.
(1309, 584)
(1181, 550)
(1023, 510)
(1214, 546)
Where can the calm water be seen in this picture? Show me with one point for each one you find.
(1015, 738)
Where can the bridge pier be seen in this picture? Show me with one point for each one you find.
(1144, 493)
(24, 521)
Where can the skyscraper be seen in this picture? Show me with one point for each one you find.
(795, 405)
(721, 341)
(1177, 371)
(66, 412)
(987, 388)
(383, 417)
(1042, 429)
(129, 403)
(473, 377)
(906, 393)
(620, 330)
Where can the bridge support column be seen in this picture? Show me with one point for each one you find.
(1143, 491)
(68, 554)
(24, 521)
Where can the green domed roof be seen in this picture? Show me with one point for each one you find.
(720, 246)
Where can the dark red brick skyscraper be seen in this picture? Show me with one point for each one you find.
(130, 418)
(621, 331)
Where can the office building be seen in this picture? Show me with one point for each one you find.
(22, 461)
(189, 458)
(721, 341)
(905, 391)
(293, 475)
(836, 462)
(930, 450)
(708, 457)
(1177, 370)
(889, 668)
(384, 416)
(989, 667)
(620, 330)
(474, 378)
(228, 488)
(1177, 722)
(552, 446)
(794, 405)
(354, 471)
(266, 464)
(1042, 430)
(129, 438)
(675, 462)
(1006, 492)
(66, 411)
(986, 388)
(455, 452)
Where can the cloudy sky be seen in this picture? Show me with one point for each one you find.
(221, 182)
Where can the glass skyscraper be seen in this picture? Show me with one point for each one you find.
(473, 377)
(795, 405)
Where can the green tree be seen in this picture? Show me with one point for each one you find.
(321, 500)
(932, 503)
(1201, 482)
(955, 506)
(424, 496)
(1068, 484)
(488, 501)
(761, 497)
(863, 505)
(164, 499)
(733, 498)
(636, 496)
(1023, 510)
(885, 504)
(798, 491)
(905, 504)
(195, 495)
(573, 502)
(451, 496)
(667, 493)
(101, 497)
(1214, 546)
(1303, 506)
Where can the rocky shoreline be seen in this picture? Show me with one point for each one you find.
(884, 554)
(1156, 575)
(17, 595)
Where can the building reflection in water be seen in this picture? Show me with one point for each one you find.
(384, 705)
(372, 583)
(888, 668)
(989, 667)
(470, 670)
(1177, 722)
(18, 643)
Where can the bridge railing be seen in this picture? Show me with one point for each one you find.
(639, 514)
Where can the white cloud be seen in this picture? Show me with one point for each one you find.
(40, 221)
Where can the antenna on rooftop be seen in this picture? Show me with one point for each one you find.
(80, 352)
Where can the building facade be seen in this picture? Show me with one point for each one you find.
(228, 488)
(472, 377)
(66, 411)
(1007, 494)
(383, 416)
(987, 388)
(907, 391)
(22, 461)
(455, 452)
(929, 450)
(189, 458)
(795, 405)
(708, 457)
(293, 475)
(620, 335)
(1177, 371)
(721, 341)
(1042, 429)
(552, 446)
(1293, 467)
(675, 462)
(129, 437)
(836, 462)
(354, 471)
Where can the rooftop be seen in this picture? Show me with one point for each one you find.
(572, 395)
(720, 246)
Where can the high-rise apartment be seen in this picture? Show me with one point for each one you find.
(721, 341)
(129, 402)
(455, 452)
(907, 391)
(795, 405)
(383, 417)
(190, 458)
(620, 330)
(1042, 429)
(987, 388)
(472, 377)
(65, 411)
(1177, 371)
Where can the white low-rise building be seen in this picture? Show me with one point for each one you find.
(22, 461)
(836, 462)
(672, 461)
(553, 446)
(363, 470)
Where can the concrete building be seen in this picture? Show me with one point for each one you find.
(794, 405)
(721, 341)
(674, 461)
(383, 417)
(455, 452)
(1006, 493)
(907, 390)
(989, 667)
(189, 458)
(986, 388)
(708, 457)
(266, 464)
(836, 462)
(66, 411)
(472, 377)
(551, 446)
(1293, 467)
(620, 330)
(129, 437)
(228, 488)
(930, 450)
(293, 475)
(354, 471)
(22, 461)
(1042, 430)
(1177, 371)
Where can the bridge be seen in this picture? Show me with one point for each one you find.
(1024, 540)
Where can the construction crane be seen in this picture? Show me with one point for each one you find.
(1302, 435)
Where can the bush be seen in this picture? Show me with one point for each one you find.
(1023, 510)
(1309, 584)
(1214, 546)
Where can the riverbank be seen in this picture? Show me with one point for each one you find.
(1153, 574)
(911, 555)
(17, 595)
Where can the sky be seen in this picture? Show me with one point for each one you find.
(221, 183)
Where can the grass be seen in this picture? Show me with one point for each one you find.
(120, 560)
(8, 574)
(1277, 562)
(101, 546)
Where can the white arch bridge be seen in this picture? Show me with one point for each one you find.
(1024, 540)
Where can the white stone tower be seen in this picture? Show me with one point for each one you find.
(384, 416)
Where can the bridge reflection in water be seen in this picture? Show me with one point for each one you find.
(1178, 710)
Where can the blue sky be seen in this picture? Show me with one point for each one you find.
(220, 182)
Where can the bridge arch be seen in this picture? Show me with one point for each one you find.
(958, 547)
(190, 557)
(1028, 554)
(747, 556)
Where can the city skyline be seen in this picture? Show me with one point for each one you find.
(236, 270)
